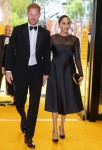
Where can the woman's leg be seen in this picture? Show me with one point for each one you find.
(61, 128)
(62, 121)
(55, 130)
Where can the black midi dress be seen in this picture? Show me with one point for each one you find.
(62, 93)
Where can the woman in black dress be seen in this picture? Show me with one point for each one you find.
(63, 95)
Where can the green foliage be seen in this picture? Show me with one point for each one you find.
(18, 8)
(74, 8)
(91, 9)
(43, 2)
(15, 20)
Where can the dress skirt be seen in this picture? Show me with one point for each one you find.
(62, 93)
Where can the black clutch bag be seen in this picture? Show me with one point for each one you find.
(76, 78)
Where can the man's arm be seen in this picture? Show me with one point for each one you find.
(10, 52)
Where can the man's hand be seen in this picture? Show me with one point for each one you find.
(45, 78)
(9, 77)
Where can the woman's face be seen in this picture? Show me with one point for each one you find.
(64, 25)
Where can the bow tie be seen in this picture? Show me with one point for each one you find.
(7, 36)
(35, 28)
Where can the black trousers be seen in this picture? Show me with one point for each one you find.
(33, 81)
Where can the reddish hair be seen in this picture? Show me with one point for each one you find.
(34, 6)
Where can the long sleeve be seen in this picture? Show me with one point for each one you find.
(77, 57)
(46, 55)
(3, 56)
(1, 47)
(6, 42)
(10, 52)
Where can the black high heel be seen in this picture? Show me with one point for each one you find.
(62, 134)
(55, 139)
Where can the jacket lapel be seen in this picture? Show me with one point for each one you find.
(26, 36)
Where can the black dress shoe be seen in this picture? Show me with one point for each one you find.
(29, 142)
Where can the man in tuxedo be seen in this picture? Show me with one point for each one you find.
(7, 34)
(28, 65)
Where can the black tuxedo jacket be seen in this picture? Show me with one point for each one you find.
(4, 52)
(2, 38)
(18, 52)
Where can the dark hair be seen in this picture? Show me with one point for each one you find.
(33, 5)
(63, 16)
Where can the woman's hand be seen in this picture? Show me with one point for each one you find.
(80, 79)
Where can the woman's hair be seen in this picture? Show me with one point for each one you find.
(33, 5)
(63, 16)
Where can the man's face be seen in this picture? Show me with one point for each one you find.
(33, 16)
(7, 31)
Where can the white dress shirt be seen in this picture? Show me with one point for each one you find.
(33, 40)
(7, 38)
